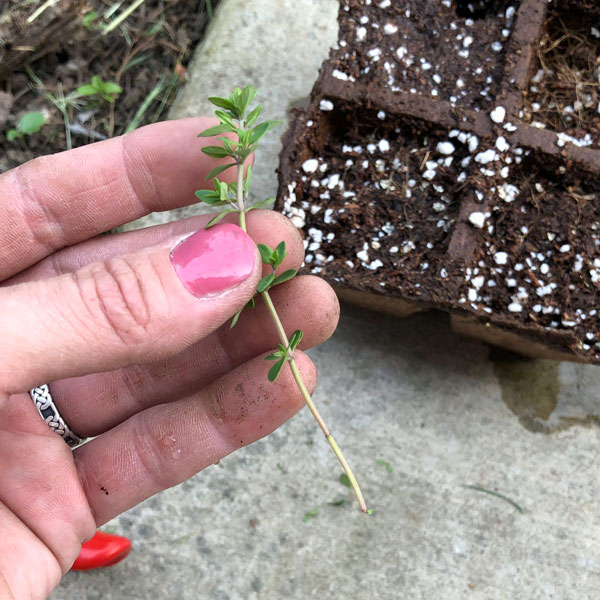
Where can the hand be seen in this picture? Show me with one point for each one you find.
(133, 338)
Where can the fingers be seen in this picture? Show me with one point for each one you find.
(95, 403)
(167, 444)
(264, 226)
(56, 201)
(127, 309)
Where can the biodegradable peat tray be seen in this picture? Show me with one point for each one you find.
(450, 159)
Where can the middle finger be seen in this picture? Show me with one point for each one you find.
(95, 403)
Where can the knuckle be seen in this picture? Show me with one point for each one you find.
(121, 293)
(152, 446)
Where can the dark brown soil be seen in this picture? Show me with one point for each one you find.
(449, 52)
(454, 203)
(564, 93)
(151, 48)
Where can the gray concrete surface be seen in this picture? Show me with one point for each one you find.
(443, 411)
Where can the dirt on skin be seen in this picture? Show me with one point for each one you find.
(146, 55)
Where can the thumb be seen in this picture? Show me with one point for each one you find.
(129, 309)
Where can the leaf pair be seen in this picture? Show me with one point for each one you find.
(282, 354)
(269, 281)
(274, 258)
(107, 90)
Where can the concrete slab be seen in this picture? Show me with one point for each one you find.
(442, 411)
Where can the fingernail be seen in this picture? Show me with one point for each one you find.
(214, 260)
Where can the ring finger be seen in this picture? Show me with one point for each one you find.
(92, 404)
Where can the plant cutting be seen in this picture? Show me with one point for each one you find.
(239, 133)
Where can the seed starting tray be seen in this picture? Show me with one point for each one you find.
(422, 179)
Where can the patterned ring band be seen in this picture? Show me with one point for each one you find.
(42, 398)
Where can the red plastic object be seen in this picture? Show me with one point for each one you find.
(103, 550)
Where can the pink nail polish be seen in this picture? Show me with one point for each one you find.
(213, 260)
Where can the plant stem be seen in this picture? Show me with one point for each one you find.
(122, 16)
(292, 362)
(240, 194)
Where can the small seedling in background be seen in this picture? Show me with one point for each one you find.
(239, 134)
(28, 124)
(388, 467)
(88, 21)
(311, 514)
(107, 90)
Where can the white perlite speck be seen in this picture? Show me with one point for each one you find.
(502, 144)
(515, 307)
(498, 114)
(390, 28)
(486, 157)
(508, 192)
(326, 105)
(477, 219)
(384, 145)
(310, 165)
(501, 258)
(340, 75)
(446, 148)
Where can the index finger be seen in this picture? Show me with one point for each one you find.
(55, 201)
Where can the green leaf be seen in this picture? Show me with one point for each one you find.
(370, 511)
(13, 134)
(345, 480)
(218, 170)
(261, 204)
(310, 515)
(248, 180)
(260, 130)
(216, 130)
(228, 145)
(251, 303)
(275, 370)
(279, 254)
(265, 253)
(385, 464)
(265, 282)
(86, 90)
(235, 318)
(218, 217)
(31, 122)
(223, 191)
(224, 118)
(109, 87)
(251, 119)
(275, 356)
(246, 137)
(248, 95)
(295, 339)
(223, 103)
(210, 197)
(89, 19)
(285, 276)
(215, 151)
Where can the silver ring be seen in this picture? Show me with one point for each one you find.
(42, 398)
